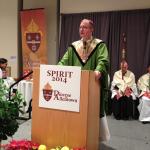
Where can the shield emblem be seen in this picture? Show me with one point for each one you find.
(33, 41)
(47, 94)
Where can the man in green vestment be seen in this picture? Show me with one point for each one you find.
(91, 54)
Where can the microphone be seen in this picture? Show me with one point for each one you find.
(23, 77)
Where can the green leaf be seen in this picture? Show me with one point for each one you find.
(9, 111)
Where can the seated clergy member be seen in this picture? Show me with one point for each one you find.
(124, 92)
(3, 66)
(144, 96)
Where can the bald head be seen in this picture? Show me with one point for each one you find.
(88, 21)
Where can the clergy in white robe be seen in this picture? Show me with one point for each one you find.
(144, 96)
(124, 94)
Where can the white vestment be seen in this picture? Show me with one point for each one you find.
(144, 105)
(128, 80)
(104, 129)
(9, 81)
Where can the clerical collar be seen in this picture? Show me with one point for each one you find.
(89, 40)
(123, 73)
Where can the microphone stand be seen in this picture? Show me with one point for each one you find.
(28, 74)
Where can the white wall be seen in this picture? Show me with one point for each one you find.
(76, 6)
(9, 33)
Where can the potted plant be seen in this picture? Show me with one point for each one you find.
(9, 111)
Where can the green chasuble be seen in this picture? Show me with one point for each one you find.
(92, 56)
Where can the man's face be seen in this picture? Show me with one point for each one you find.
(124, 67)
(85, 30)
(3, 66)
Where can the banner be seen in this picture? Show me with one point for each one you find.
(34, 48)
(60, 87)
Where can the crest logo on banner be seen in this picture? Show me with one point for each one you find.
(60, 87)
(33, 36)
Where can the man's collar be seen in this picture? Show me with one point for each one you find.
(89, 40)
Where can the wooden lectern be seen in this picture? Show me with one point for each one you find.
(74, 129)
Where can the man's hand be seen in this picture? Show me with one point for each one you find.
(128, 92)
(97, 75)
(147, 94)
(117, 95)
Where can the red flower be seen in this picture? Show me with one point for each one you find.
(21, 145)
(79, 148)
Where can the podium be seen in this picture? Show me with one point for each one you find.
(53, 127)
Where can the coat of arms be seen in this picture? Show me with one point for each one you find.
(33, 36)
(47, 92)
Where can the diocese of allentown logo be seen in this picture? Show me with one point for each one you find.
(33, 36)
(47, 92)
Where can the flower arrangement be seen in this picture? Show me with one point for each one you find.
(30, 145)
(21, 145)
(43, 147)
